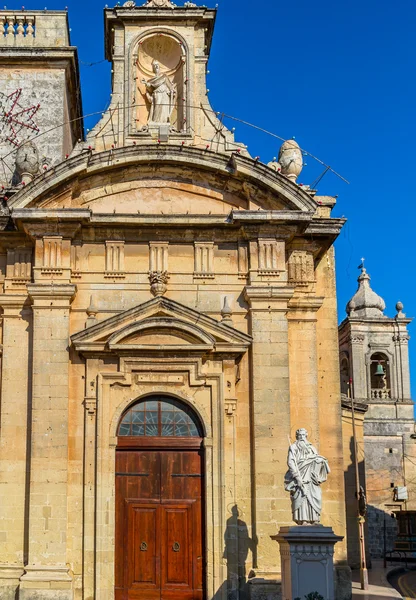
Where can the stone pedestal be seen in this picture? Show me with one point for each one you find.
(307, 561)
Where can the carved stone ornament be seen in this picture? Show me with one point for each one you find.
(158, 282)
(129, 4)
(27, 162)
(159, 4)
(290, 159)
(357, 339)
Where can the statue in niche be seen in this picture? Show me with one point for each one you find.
(161, 94)
(307, 471)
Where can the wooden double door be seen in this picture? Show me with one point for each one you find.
(159, 525)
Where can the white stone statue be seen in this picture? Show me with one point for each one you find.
(161, 94)
(307, 471)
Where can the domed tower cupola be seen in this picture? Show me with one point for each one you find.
(365, 302)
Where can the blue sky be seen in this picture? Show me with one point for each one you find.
(340, 77)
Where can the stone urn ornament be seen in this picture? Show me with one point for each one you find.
(290, 159)
(158, 282)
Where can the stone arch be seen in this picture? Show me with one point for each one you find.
(201, 414)
(380, 383)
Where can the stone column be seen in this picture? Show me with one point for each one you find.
(304, 404)
(13, 441)
(47, 572)
(270, 398)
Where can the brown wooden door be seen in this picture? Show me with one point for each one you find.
(159, 543)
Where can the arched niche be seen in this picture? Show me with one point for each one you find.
(345, 375)
(170, 52)
(380, 376)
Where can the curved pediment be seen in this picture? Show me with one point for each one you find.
(161, 332)
(162, 180)
(161, 325)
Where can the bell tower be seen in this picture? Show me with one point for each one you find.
(159, 54)
(374, 367)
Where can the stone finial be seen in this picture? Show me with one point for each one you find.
(365, 302)
(129, 4)
(276, 166)
(92, 312)
(400, 313)
(158, 282)
(290, 159)
(227, 312)
(159, 4)
(27, 162)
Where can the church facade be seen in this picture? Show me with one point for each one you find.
(169, 322)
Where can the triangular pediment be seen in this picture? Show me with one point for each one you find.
(161, 325)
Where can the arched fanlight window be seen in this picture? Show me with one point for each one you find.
(160, 416)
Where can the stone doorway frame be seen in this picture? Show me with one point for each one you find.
(115, 392)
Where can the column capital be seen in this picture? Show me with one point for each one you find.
(12, 304)
(268, 297)
(304, 308)
(49, 295)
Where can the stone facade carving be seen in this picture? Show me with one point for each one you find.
(158, 256)
(307, 471)
(52, 255)
(158, 282)
(204, 260)
(269, 257)
(301, 268)
(357, 339)
(27, 162)
(114, 259)
(19, 266)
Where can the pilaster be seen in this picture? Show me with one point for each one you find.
(304, 404)
(270, 418)
(13, 441)
(47, 574)
(358, 366)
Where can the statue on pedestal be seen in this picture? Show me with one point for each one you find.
(307, 471)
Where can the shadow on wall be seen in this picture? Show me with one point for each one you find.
(237, 545)
(380, 528)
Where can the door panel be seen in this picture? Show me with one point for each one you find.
(137, 479)
(143, 546)
(177, 547)
(159, 543)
